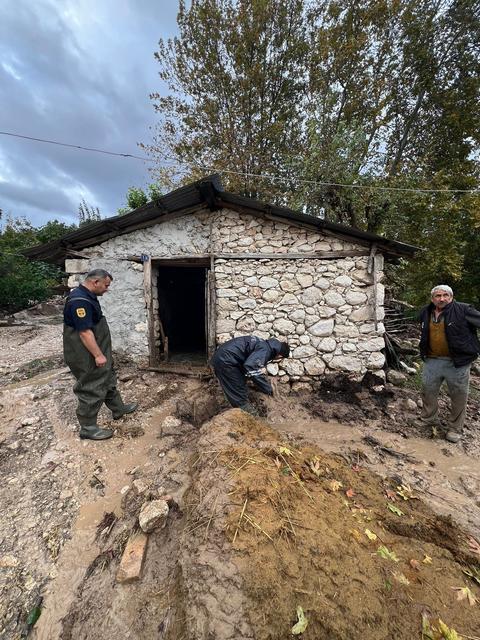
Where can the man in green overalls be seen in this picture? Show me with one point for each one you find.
(87, 349)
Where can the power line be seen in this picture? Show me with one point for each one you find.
(246, 174)
(76, 146)
(340, 184)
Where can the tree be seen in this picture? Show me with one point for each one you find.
(137, 197)
(22, 282)
(237, 77)
(380, 94)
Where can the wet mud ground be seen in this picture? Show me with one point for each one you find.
(211, 573)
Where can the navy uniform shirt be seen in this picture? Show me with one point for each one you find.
(82, 309)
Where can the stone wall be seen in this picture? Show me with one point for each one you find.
(124, 305)
(324, 307)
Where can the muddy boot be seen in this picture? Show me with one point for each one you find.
(249, 408)
(127, 408)
(453, 436)
(94, 432)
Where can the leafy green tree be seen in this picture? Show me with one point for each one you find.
(373, 93)
(22, 282)
(137, 197)
(237, 78)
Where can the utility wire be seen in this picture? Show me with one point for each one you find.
(76, 146)
(246, 174)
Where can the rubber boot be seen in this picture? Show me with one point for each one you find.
(249, 408)
(453, 436)
(94, 432)
(127, 408)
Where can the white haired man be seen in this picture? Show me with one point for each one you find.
(448, 346)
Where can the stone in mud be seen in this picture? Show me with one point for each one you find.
(396, 377)
(153, 515)
(171, 422)
(132, 560)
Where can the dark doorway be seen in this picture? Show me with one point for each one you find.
(182, 311)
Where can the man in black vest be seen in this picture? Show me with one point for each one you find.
(245, 358)
(87, 350)
(448, 346)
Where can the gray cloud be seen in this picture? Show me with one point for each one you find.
(80, 72)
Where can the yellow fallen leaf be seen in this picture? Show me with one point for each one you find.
(285, 451)
(302, 623)
(447, 632)
(335, 485)
(356, 534)
(427, 560)
(315, 467)
(370, 535)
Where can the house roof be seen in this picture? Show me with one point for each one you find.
(203, 194)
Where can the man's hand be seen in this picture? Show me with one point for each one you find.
(275, 389)
(100, 361)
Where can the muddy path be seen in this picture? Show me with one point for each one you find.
(55, 491)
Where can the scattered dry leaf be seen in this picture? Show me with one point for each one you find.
(335, 485)
(356, 534)
(315, 467)
(302, 623)
(406, 492)
(350, 493)
(395, 509)
(285, 451)
(370, 535)
(474, 545)
(415, 564)
(385, 553)
(391, 495)
(465, 593)
(427, 560)
(401, 578)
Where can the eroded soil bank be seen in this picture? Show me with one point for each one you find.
(267, 515)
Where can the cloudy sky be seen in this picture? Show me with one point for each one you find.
(76, 71)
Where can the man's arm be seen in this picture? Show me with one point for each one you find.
(88, 340)
(254, 365)
(472, 316)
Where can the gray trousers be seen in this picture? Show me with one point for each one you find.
(436, 371)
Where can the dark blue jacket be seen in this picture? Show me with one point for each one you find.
(251, 354)
(461, 322)
(82, 309)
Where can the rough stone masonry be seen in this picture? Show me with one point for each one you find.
(330, 310)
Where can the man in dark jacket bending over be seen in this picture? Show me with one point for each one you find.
(448, 346)
(246, 357)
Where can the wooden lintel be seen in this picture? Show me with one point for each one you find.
(184, 370)
(318, 255)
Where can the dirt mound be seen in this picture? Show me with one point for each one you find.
(273, 527)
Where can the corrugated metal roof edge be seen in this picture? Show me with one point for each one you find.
(206, 191)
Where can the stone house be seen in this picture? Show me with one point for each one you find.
(202, 265)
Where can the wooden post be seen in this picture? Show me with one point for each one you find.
(147, 288)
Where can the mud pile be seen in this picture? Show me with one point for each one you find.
(265, 527)
(280, 527)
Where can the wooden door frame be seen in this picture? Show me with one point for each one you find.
(150, 266)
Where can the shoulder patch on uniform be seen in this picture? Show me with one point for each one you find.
(81, 313)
